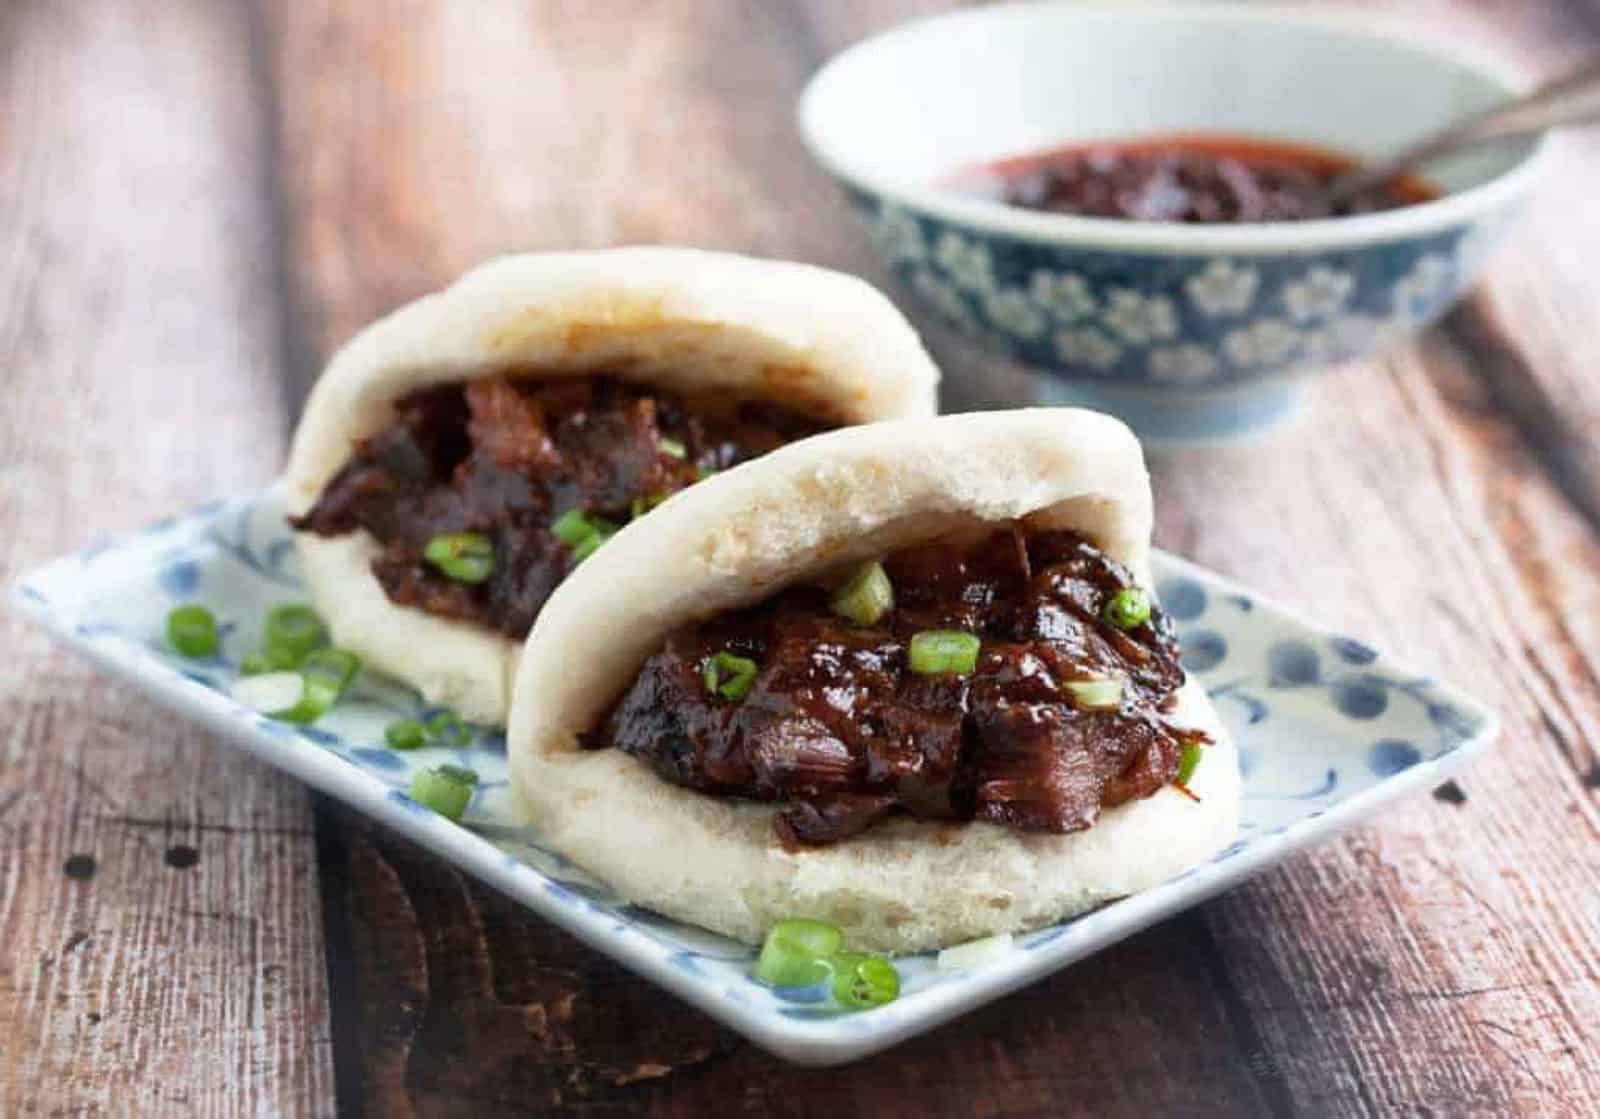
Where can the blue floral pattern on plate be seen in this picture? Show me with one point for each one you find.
(1328, 730)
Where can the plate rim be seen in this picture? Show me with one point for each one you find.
(802, 1041)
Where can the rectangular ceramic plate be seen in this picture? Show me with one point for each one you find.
(1328, 730)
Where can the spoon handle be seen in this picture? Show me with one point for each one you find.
(1573, 98)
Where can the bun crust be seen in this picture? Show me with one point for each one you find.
(819, 341)
(792, 516)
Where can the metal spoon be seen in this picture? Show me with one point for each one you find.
(1573, 98)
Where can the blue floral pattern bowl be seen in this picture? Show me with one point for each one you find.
(1187, 332)
(1328, 731)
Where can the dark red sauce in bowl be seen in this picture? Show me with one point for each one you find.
(1196, 179)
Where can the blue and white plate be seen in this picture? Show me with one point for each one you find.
(1328, 731)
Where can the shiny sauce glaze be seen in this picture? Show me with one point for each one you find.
(839, 729)
(1197, 179)
(505, 458)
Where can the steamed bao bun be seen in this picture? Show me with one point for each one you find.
(791, 516)
(821, 342)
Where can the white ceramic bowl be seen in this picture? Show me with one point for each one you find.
(1187, 331)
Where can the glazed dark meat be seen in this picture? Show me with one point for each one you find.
(838, 728)
(1186, 186)
(504, 458)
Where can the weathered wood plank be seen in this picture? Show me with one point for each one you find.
(1417, 508)
(492, 129)
(1531, 330)
(159, 926)
(1445, 959)
(466, 1005)
(1423, 927)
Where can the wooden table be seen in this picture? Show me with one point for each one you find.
(199, 199)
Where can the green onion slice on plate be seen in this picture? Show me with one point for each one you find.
(292, 631)
(405, 734)
(192, 630)
(861, 982)
(796, 953)
(254, 664)
(268, 692)
(448, 729)
(324, 675)
(460, 773)
(447, 790)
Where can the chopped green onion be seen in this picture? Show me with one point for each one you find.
(254, 664)
(281, 659)
(1104, 694)
(571, 528)
(672, 447)
(443, 791)
(268, 692)
(974, 953)
(335, 664)
(701, 473)
(866, 596)
(796, 953)
(460, 773)
(639, 506)
(581, 533)
(729, 675)
(589, 545)
(861, 982)
(192, 630)
(448, 729)
(466, 557)
(1189, 762)
(291, 631)
(937, 652)
(324, 676)
(405, 734)
(1129, 608)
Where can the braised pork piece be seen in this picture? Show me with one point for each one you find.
(485, 495)
(1018, 678)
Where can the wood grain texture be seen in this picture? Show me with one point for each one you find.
(159, 925)
(1441, 502)
(1528, 327)
(478, 1009)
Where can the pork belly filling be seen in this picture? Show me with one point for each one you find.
(1011, 676)
(483, 496)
